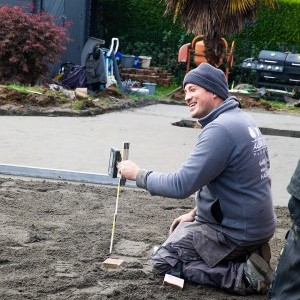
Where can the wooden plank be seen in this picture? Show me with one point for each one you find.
(112, 263)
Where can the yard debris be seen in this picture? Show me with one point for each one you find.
(81, 93)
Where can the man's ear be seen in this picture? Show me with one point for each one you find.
(217, 99)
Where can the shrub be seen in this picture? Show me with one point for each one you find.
(28, 44)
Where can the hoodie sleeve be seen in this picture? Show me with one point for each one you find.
(208, 159)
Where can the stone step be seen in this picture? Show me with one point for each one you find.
(156, 75)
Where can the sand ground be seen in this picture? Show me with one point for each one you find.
(54, 237)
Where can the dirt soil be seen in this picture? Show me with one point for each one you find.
(51, 103)
(47, 102)
(54, 237)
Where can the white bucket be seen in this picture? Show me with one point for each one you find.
(145, 61)
(142, 91)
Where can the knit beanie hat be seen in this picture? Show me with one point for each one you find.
(209, 78)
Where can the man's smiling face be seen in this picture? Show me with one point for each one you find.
(200, 101)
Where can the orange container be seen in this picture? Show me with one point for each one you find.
(199, 53)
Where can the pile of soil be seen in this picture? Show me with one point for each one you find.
(48, 102)
(247, 100)
(54, 237)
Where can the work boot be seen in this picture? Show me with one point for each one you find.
(257, 274)
(265, 252)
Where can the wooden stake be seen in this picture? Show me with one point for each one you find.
(174, 281)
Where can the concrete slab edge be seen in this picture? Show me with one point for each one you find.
(264, 130)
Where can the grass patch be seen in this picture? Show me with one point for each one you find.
(281, 105)
(164, 92)
(77, 104)
(161, 93)
(24, 89)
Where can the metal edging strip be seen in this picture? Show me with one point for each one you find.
(57, 174)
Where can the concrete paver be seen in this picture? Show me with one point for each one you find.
(83, 144)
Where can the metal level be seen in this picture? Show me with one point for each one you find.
(57, 174)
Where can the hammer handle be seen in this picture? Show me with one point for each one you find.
(125, 155)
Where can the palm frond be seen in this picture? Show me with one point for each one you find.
(223, 17)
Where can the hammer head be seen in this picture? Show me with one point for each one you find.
(114, 159)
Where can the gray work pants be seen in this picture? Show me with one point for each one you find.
(198, 253)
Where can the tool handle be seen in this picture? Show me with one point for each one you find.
(125, 155)
(125, 151)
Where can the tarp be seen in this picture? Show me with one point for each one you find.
(76, 78)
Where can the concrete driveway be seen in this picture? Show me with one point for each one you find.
(83, 144)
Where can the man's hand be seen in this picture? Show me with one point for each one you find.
(128, 169)
(189, 217)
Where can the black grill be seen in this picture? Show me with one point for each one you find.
(292, 68)
(275, 68)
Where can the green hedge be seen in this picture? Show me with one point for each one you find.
(143, 30)
(275, 29)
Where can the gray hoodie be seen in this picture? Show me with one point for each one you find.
(228, 170)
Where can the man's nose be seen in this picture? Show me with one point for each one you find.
(187, 98)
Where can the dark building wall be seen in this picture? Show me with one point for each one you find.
(77, 11)
(74, 14)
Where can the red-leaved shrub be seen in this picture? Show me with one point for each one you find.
(28, 44)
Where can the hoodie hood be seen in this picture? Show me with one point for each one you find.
(230, 103)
